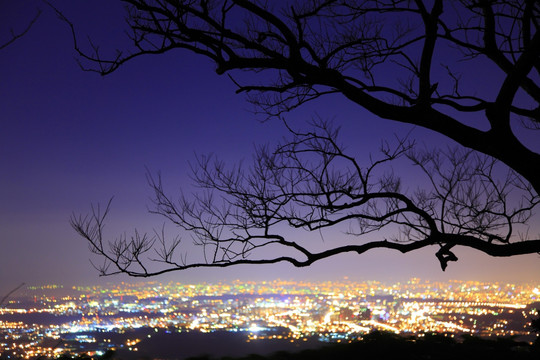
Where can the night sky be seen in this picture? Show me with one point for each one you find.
(70, 138)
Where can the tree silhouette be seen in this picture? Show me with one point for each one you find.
(306, 50)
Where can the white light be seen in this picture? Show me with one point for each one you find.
(255, 328)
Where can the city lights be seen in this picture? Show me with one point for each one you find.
(96, 319)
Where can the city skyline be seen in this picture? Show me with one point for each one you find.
(70, 139)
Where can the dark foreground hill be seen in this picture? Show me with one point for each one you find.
(376, 346)
(383, 346)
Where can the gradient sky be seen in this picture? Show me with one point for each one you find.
(70, 138)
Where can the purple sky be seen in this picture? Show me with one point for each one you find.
(70, 138)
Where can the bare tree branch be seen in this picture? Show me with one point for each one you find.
(310, 183)
(14, 35)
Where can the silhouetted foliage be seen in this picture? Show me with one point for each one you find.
(309, 49)
(535, 323)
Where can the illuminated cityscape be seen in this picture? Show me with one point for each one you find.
(50, 320)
